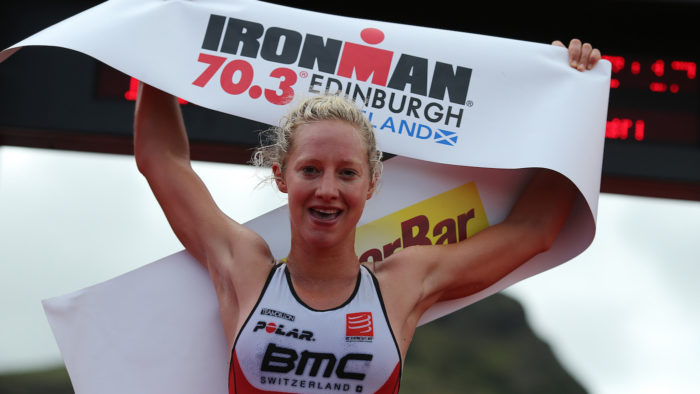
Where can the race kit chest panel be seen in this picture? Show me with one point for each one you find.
(287, 347)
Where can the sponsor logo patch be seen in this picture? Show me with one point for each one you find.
(279, 329)
(446, 218)
(278, 314)
(359, 327)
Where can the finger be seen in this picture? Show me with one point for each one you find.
(574, 52)
(558, 44)
(595, 57)
(584, 60)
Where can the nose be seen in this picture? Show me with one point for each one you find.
(327, 186)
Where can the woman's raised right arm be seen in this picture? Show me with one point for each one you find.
(162, 154)
(161, 149)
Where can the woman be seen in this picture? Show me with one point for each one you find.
(321, 322)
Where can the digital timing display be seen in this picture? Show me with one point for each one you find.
(653, 100)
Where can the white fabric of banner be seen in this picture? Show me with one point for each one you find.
(456, 108)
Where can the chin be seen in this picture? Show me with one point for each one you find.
(327, 238)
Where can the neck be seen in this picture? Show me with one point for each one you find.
(323, 264)
(323, 278)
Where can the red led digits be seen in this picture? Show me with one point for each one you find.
(619, 129)
(658, 68)
(635, 68)
(618, 63)
(134, 91)
(689, 67)
(657, 87)
(658, 77)
(639, 130)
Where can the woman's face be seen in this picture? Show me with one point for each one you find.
(327, 179)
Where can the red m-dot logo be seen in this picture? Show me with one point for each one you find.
(359, 324)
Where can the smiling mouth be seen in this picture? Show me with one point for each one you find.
(325, 214)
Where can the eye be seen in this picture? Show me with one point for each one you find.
(309, 170)
(348, 173)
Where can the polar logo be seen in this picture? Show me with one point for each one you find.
(278, 329)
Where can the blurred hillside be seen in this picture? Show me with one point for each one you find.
(487, 348)
(52, 381)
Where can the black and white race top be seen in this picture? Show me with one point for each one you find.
(287, 347)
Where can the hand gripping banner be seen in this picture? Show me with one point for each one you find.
(469, 117)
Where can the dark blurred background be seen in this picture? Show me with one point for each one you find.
(56, 98)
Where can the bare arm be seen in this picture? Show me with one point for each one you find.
(458, 270)
(417, 277)
(462, 269)
(223, 246)
(162, 155)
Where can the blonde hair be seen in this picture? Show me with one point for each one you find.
(278, 141)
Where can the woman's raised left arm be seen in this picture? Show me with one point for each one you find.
(458, 270)
(530, 228)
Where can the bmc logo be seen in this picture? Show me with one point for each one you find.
(359, 324)
(285, 360)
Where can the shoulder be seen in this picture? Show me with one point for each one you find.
(401, 281)
(401, 276)
(243, 252)
(238, 272)
(415, 278)
(407, 264)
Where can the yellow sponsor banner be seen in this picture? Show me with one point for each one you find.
(448, 217)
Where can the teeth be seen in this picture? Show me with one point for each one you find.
(325, 213)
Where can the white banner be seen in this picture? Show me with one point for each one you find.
(446, 102)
